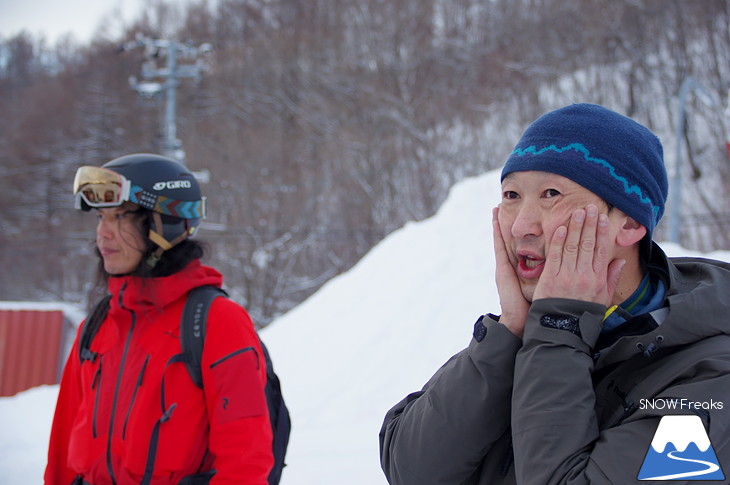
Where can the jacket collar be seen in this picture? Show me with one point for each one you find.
(697, 296)
(145, 294)
(698, 306)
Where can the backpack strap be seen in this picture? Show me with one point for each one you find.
(192, 337)
(91, 326)
(192, 328)
(279, 417)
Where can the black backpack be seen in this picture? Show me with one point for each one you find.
(192, 336)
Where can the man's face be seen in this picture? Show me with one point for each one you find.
(534, 204)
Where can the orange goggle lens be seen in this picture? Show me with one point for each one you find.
(100, 187)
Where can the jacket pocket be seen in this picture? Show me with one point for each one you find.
(165, 426)
(239, 391)
(137, 386)
(96, 389)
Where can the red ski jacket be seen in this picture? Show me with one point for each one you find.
(135, 408)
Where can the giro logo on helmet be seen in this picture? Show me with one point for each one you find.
(173, 184)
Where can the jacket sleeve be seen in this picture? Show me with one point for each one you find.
(555, 428)
(554, 424)
(234, 378)
(67, 405)
(442, 434)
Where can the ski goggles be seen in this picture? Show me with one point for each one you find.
(100, 187)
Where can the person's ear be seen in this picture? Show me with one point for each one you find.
(630, 233)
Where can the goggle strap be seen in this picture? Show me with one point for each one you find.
(156, 237)
(179, 239)
(156, 233)
(163, 243)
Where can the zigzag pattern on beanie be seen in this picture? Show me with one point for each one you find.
(609, 154)
(629, 188)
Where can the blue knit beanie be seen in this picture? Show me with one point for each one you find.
(611, 155)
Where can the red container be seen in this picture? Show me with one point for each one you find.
(33, 344)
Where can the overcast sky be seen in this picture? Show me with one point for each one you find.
(54, 18)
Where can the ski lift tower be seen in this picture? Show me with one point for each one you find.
(675, 172)
(167, 78)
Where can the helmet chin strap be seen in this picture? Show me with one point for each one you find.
(163, 244)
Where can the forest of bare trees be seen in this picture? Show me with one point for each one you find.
(327, 124)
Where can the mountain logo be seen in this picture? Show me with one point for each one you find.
(680, 450)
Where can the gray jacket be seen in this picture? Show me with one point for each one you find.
(554, 409)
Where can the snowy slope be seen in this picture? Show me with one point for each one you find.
(378, 332)
(25, 425)
(351, 351)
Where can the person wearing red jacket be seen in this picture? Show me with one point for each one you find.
(128, 411)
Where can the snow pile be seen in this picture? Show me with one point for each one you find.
(25, 425)
(346, 355)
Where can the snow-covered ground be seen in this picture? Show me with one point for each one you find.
(352, 350)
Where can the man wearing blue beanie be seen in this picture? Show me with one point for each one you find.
(600, 337)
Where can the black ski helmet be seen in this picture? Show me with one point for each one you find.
(161, 185)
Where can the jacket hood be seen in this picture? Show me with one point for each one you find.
(698, 298)
(147, 294)
(697, 290)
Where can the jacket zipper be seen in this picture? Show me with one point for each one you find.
(96, 387)
(233, 354)
(120, 374)
(155, 436)
(629, 408)
(134, 396)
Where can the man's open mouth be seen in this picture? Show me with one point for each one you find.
(531, 263)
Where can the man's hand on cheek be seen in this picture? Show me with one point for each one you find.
(513, 303)
(577, 262)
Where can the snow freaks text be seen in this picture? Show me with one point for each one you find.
(680, 404)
